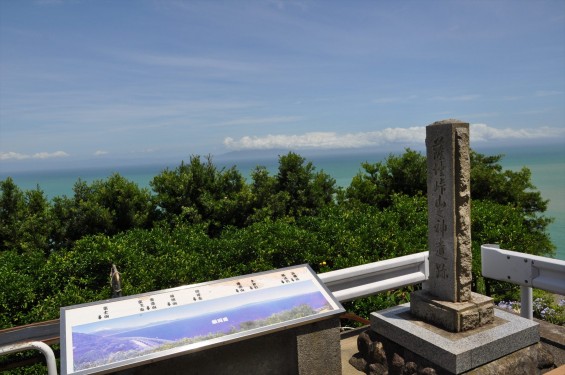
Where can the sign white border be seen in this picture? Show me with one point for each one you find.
(222, 304)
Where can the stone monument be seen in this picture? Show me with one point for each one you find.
(448, 300)
(446, 327)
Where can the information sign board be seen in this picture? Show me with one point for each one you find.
(125, 332)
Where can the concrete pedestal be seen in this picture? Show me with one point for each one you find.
(311, 349)
(456, 352)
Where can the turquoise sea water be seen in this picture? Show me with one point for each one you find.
(547, 164)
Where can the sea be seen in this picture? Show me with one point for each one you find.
(546, 163)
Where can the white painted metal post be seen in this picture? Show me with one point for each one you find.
(42, 347)
(528, 271)
(526, 305)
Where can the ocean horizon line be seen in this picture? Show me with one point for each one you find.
(17, 167)
(547, 165)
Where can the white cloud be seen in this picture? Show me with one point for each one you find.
(100, 153)
(328, 140)
(483, 132)
(412, 135)
(40, 155)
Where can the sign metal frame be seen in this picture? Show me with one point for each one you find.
(125, 332)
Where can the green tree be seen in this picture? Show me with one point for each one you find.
(38, 225)
(79, 216)
(11, 214)
(25, 219)
(218, 226)
(129, 206)
(105, 206)
(18, 294)
(228, 203)
(405, 174)
(267, 202)
(296, 190)
(308, 190)
(199, 192)
(490, 182)
(182, 188)
(266, 245)
(357, 233)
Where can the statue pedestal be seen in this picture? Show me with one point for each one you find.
(453, 316)
(456, 352)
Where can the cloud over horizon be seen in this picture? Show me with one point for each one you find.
(413, 135)
(39, 155)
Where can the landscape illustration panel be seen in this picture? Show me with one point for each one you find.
(109, 341)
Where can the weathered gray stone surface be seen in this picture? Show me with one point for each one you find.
(447, 300)
(318, 348)
(455, 352)
(396, 360)
(527, 361)
(452, 316)
(449, 216)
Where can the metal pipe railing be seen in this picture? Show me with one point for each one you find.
(528, 271)
(360, 281)
(33, 345)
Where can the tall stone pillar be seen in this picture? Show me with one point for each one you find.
(448, 300)
(446, 323)
(449, 210)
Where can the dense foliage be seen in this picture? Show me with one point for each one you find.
(200, 223)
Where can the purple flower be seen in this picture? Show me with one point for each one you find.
(509, 305)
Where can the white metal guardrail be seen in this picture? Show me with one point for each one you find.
(346, 284)
(360, 281)
(38, 345)
(525, 270)
(367, 279)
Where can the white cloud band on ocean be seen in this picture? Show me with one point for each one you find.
(412, 135)
(328, 140)
(39, 155)
(483, 132)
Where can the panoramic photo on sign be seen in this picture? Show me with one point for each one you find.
(132, 330)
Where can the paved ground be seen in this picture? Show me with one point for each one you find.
(348, 349)
(553, 338)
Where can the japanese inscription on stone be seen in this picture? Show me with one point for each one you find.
(447, 143)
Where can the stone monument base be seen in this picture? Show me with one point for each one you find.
(453, 316)
(378, 356)
(455, 353)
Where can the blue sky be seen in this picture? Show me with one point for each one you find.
(151, 80)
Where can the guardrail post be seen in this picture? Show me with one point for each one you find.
(526, 305)
(527, 270)
(38, 345)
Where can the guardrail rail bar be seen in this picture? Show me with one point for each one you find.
(528, 271)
